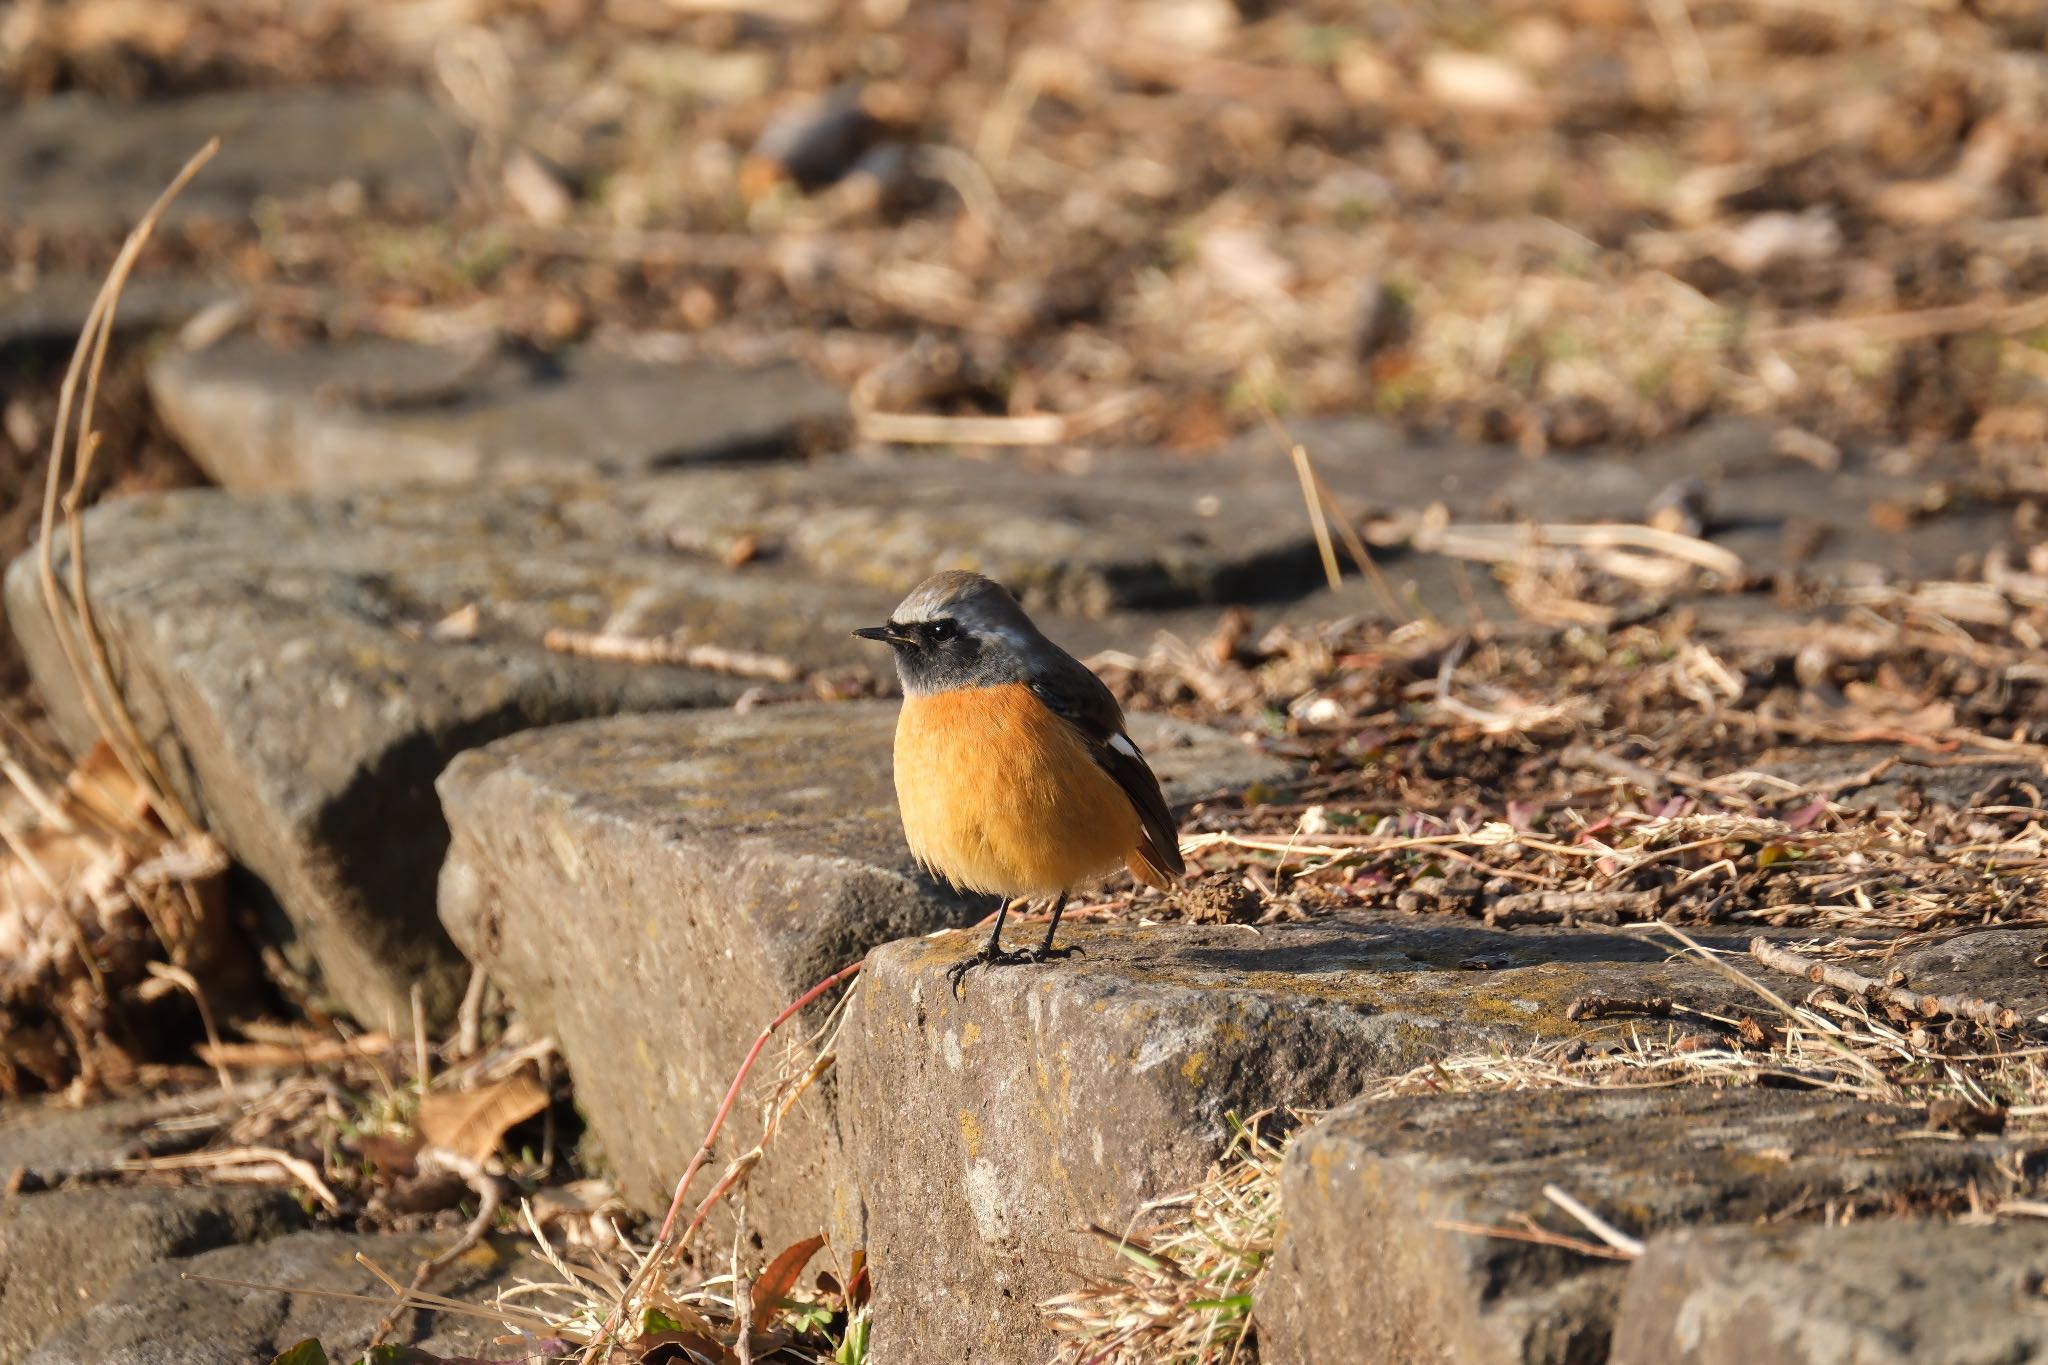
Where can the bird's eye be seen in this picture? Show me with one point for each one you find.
(938, 632)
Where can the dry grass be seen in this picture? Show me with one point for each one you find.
(1184, 1271)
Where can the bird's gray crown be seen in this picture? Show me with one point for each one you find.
(968, 598)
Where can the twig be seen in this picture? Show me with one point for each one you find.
(1631, 1247)
(1914, 325)
(1317, 519)
(741, 663)
(1534, 1232)
(1986, 1012)
(211, 1054)
(1569, 907)
(1497, 542)
(917, 428)
(297, 1167)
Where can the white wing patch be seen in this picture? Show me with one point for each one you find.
(1122, 744)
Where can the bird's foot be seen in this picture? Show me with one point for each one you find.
(991, 956)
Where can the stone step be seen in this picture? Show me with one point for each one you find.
(282, 655)
(653, 889)
(1877, 1293)
(373, 413)
(75, 164)
(158, 1316)
(64, 1250)
(1366, 1270)
(987, 1131)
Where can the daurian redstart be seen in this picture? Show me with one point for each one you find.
(1013, 770)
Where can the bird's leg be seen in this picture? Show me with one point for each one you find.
(991, 953)
(994, 949)
(1045, 949)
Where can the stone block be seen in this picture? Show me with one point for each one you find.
(1875, 1293)
(1367, 1270)
(987, 1131)
(282, 655)
(653, 889)
(374, 413)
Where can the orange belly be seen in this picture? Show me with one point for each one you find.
(998, 794)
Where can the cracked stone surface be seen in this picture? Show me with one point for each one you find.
(1877, 1293)
(282, 656)
(652, 889)
(985, 1132)
(63, 1250)
(1365, 1268)
(373, 413)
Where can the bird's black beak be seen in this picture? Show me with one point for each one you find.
(891, 634)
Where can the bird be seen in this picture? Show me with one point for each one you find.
(1014, 772)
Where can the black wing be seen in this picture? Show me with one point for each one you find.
(1069, 690)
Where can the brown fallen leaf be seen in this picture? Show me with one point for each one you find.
(780, 1278)
(471, 1123)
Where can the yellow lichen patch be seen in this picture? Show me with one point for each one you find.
(970, 1133)
(970, 1034)
(1195, 1067)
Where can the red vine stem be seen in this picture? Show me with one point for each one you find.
(661, 1243)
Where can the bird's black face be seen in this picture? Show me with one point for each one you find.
(933, 655)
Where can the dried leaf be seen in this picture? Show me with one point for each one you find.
(679, 1348)
(780, 1278)
(472, 1123)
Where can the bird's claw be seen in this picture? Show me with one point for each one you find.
(956, 975)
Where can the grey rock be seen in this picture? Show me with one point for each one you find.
(1875, 1293)
(280, 654)
(72, 163)
(158, 1317)
(1366, 1270)
(48, 1141)
(652, 889)
(60, 1252)
(987, 1131)
(1130, 530)
(373, 413)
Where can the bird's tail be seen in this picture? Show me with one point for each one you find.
(1156, 867)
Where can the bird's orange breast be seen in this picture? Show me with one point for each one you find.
(999, 794)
